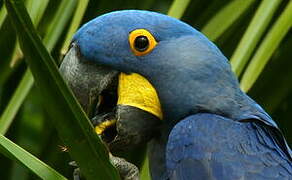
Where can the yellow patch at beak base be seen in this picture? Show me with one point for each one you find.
(135, 90)
(99, 129)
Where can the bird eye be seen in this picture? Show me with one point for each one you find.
(141, 42)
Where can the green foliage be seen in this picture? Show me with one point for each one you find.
(67, 116)
(253, 34)
(16, 153)
(267, 47)
(218, 24)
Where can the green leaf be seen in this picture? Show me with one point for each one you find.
(50, 39)
(60, 20)
(31, 135)
(222, 20)
(266, 49)
(16, 153)
(66, 114)
(253, 34)
(15, 102)
(145, 175)
(3, 14)
(178, 8)
(36, 10)
(75, 23)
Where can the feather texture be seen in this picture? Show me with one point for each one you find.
(209, 146)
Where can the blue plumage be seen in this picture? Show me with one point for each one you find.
(235, 139)
(234, 151)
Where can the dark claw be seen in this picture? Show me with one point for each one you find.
(127, 171)
(76, 172)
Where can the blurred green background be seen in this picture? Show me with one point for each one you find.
(255, 35)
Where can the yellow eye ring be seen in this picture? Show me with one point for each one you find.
(141, 42)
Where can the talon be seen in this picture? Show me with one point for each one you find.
(73, 163)
(76, 174)
(127, 170)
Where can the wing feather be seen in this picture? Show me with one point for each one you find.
(208, 146)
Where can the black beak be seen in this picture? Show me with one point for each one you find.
(122, 127)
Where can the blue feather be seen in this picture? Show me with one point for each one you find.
(191, 76)
(234, 150)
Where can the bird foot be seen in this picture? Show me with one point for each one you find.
(127, 170)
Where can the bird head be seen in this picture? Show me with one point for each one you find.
(149, 61)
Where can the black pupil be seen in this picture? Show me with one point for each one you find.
(141, 43)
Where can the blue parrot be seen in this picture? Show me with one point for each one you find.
(209, 128)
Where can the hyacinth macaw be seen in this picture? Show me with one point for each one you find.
(145, 75)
